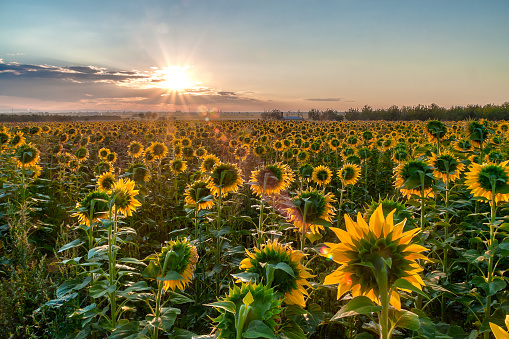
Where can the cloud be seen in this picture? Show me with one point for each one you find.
(323, 99)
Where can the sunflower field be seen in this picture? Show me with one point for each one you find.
(254, 229)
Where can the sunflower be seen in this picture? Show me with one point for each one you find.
(17, 140)
(105, 182)
(111, 157)
(148, 156)
(349, 174)
(446, 167)
(81, 154)
(240, 153)
(103, 153)
(4, 137)
(259, 150)
(103, 167)
(477, 132)
(321, 175)
(408, 178)
(310, 211)
(225, 178)
(292, 286)
(436, 129)
(135, 149)
(399, 211)
(138, 172)
(209, 162)
(271, 179)
(123, 192)
(198, 195)
(201, 152)
(26, 155)
(178, 166)
(178, 256)
(366, 248)
(306, 171)
(261, 305)
(486, 179)
(95, 204)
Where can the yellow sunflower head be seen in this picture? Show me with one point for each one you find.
(225, 178)
(105, 182)
(175, 264)
(271, 179)
(17, 140)
(178, 165)
(446, 167)
(138, 172)
(281, 266)
(436, 129)
(349, 174)
(321, 175)
(103, 153)
(408, 178)
(198, 195)
(365, 248)
(488, 179)
(135, 149)
(81, 154)
(209, 162)
(93, 207)
(26, 155)
(477, 132)
(111, 157)
(123, 193)
(311, 210)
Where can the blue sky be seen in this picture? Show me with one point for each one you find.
(252, 55)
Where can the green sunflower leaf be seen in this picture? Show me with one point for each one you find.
(285, 267)
(257, 329)
(228, 306)
(406, 319)
(246, 276)
(171, 275)
(358, 305)
(405, 284)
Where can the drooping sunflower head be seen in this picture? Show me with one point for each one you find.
(139, 172)
(209, 162)
(364, 250)
(93, 207)
(103, 167)
(188, 152)
(201, 152)
(225, 178)
(178, 256)
(241, 152)
(4, 137)
(105, 182)
(123, 192)
(198, 195)
(436, 129)
(408, 178)
(488, 178)
(289, 275)
(26, 155)
(311, 210)
(135, 149)
(349, 174)
(271, 179)
(259, 300)
(446, 167)
(321, 175)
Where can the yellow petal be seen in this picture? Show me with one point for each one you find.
(499, 332)
(376, 222)
(342, 235)
(395, 300)
(351, 227)
(414, 248)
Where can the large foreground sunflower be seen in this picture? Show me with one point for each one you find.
(123, 192)
(486, 179)
(271, 179)
(292, 286)
(311, 210)
(364, 250)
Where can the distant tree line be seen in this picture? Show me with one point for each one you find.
(328, 114)
(431, 112)
(55, 118)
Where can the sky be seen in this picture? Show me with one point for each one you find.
(251, 56)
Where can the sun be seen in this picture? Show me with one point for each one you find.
(174, 78)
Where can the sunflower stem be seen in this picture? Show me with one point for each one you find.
(384, 300)
(487, 313)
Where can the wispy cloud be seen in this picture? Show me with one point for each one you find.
(323, 99)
